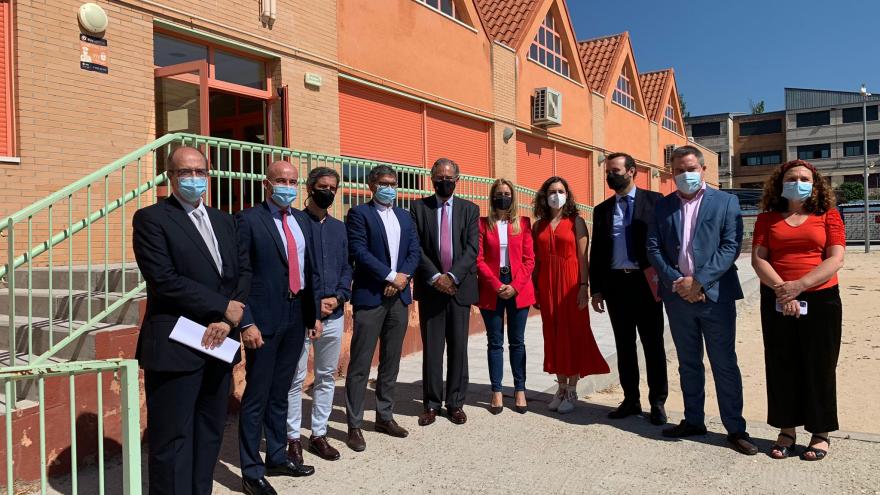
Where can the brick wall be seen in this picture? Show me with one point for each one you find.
(504, 106)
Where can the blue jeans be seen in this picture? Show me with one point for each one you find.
(516, 328)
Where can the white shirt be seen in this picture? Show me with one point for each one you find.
(190, 209)
(297, 235)
(392, 232)
(501, 226)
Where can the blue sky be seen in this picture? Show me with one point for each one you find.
(727, 51)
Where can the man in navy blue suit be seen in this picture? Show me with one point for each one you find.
(693, 243)
(384, 247)
(274, 236)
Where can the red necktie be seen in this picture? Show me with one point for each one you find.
(292, 256)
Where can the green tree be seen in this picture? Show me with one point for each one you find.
(683, 106)
(756, 107)
(851, 191)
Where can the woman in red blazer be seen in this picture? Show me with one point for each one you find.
(504, 264)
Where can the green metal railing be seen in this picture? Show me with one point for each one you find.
(84, 229)
(70, 270)
(123, 371)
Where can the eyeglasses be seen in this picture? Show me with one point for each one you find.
(190, 172)
(445, 179)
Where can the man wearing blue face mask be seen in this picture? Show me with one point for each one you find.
(275, 237)
(693, 243)
(188, 255)
(384, 247)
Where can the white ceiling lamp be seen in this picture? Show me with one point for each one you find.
(92, 18)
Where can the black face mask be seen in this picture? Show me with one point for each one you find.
(444, 188)
(502, 202)
(323, 198)
(617, 182)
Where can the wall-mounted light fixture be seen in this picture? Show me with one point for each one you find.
(601, 158)
(507, 134)
(655, 173)
(92, 18)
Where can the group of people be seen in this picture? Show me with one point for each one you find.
(277, 278)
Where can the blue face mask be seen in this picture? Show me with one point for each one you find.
(192, 188)
(797, 191)
(688, 182)
(385, 194)
(283, 195)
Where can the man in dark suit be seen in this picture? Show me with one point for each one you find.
(446, 287)
(274, 236)
(188, 255)
(618, 260)
(693, 244)
(384, 247)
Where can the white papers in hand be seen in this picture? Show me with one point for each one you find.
(190, 333)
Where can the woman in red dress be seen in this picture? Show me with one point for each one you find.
(561, 274)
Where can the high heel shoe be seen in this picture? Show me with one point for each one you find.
(518, 408)
(558, 398)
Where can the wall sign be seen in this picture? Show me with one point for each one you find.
(93, 54)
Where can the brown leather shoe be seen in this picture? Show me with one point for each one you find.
(356, 440)
(456, 415)
(428, 417)
(322, 448)
(295, 451)
(391, 427)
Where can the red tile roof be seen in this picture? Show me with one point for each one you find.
(653, 86)
(598, 56)
(507, 20)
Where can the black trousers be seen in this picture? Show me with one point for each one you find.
(800, 358)
(385, 325)
(444, 325)
(186, 414)
(632, 308)
(269, 373)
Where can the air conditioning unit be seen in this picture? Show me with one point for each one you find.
(667, 154)
(547, 107)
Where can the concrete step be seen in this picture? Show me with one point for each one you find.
(27, 391)
(81, 277)
(63, 300)
(42, 339)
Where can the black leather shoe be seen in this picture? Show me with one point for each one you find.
(742, 443)
(658, 415)
(257, 487)
(684, 429)
(626, 408)
(290, 468)
(391, 428)
(356, 440)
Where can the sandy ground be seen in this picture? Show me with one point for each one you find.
(858, 367)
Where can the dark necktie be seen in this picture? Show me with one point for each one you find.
(626, 203)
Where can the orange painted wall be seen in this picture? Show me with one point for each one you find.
(666, 138)
(627, 132)
(408, 43)
(576, 107)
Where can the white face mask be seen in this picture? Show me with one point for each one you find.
(556, 200)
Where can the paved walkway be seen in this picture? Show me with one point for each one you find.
(543, 452)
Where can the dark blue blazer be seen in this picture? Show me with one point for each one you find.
(368, 248)
(717, 239)
(266, 282)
